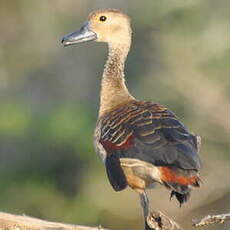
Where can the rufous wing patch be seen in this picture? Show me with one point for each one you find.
(110, 146)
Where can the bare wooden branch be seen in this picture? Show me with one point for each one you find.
(212, 219)
(16, 222)
(156, 220)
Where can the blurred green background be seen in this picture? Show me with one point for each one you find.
(49, 99)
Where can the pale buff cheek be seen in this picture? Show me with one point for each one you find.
(103, 31)
(110, 33)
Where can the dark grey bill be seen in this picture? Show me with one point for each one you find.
(82, 35)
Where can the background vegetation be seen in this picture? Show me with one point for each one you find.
(49, 98)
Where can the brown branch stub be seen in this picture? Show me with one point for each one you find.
(212, 219)
(17, 222)
(156, 220)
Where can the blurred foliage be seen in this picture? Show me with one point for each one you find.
(49, 98)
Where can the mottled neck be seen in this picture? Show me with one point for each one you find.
(113, 88)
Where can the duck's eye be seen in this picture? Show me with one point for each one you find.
(102, 18)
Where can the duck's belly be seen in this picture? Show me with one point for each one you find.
(139, 174)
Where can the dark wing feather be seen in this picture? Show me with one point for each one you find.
(115, 173)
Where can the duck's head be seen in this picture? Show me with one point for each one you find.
(111, 26)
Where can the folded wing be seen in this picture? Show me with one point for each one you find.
(149, 132)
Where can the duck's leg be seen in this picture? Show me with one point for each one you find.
(145, 206)
(144, 203)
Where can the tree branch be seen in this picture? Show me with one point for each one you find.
(16, 222)
(212, 219)
(156, 220)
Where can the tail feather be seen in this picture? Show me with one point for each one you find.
(182, 198)
(181, 192)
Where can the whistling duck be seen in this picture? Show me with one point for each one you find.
(140, 142)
